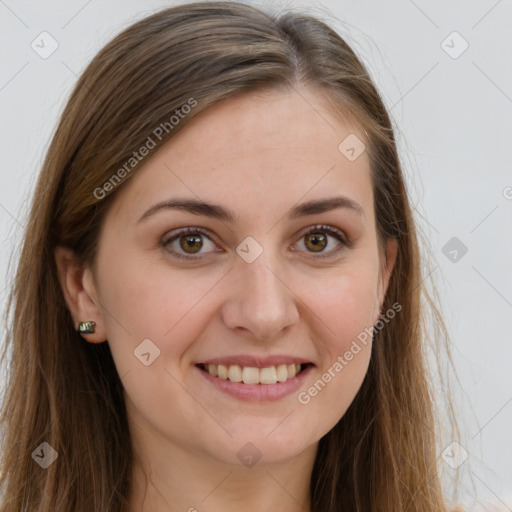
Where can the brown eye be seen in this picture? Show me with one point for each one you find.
(317, 242)
(318, 238)
(185, 243)
(191, 243)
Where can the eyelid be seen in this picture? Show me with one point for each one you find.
(332, 231)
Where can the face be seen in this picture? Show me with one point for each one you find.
(258, 281)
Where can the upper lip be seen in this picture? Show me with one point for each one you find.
(257, 361)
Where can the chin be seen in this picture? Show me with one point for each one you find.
(263, 442)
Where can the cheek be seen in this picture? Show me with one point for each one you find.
(346, 309)
(346, 305)
(143, 300)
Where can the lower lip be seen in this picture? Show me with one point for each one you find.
(258, 392)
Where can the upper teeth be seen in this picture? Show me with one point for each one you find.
(253, 375)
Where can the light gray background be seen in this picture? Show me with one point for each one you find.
(453, 119)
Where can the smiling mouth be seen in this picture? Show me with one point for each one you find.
(253, 375)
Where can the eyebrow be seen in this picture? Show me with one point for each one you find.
(221, 213)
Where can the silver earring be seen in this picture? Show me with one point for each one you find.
(86, 327)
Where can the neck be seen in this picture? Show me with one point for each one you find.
(182, 481)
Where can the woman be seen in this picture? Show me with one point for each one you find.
(218, 302)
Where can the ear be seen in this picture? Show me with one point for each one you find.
(77, 284)
(385, 273)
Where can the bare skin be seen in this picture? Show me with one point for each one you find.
(259, 155)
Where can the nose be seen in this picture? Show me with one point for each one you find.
(261, 304)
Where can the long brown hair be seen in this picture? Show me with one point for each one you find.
(382, 454)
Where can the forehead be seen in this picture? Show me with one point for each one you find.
(299, 122)
(270, 147)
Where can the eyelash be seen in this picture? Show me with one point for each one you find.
(314, 229)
